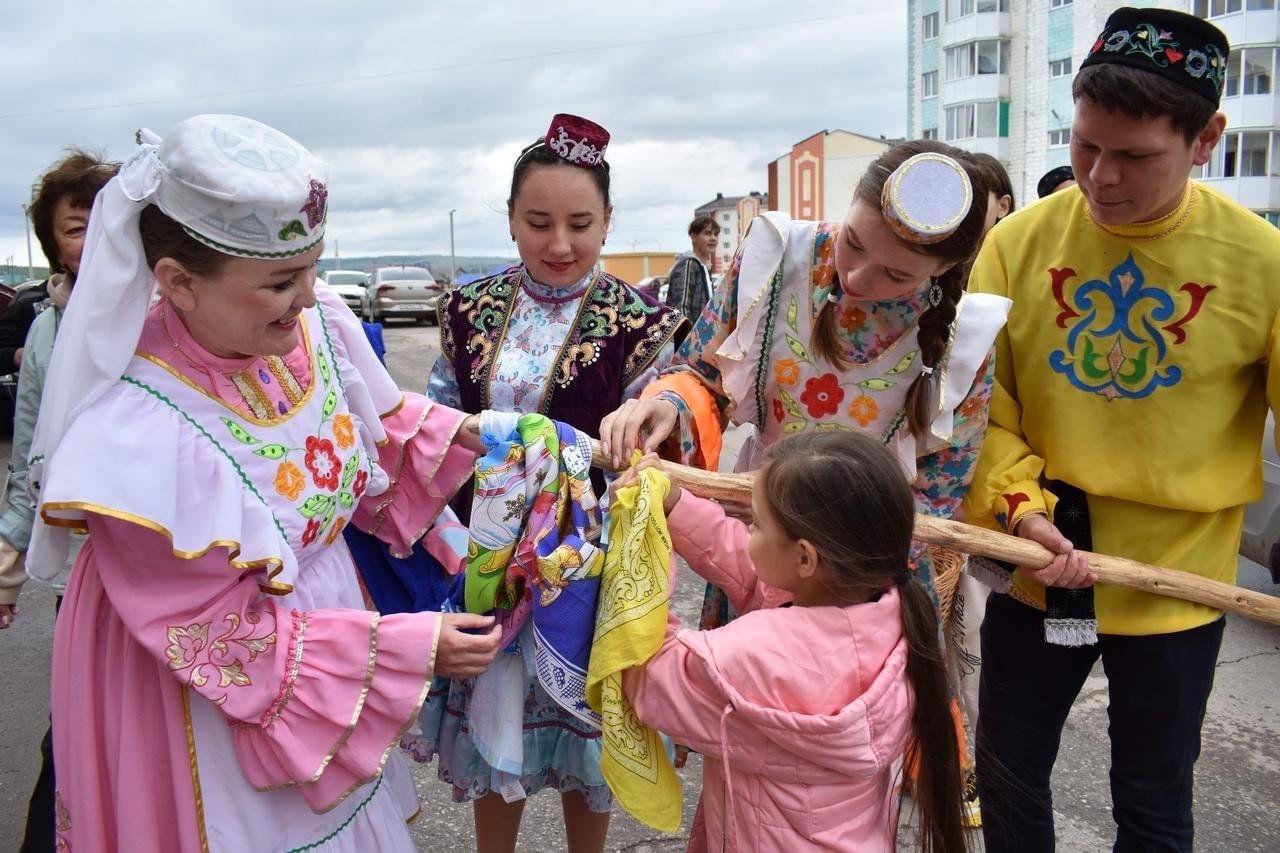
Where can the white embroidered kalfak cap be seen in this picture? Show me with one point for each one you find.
(241, 187)
(926, 198)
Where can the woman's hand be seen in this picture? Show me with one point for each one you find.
(1070, 569)
(8, 612)
(621, 430)
(468, 435)
(631, 476)
(461, 654)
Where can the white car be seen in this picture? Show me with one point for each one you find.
(349, 284)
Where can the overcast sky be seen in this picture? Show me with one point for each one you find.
(420, 107)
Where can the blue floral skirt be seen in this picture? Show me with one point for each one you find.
(560, 751)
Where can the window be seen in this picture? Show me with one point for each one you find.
(1255, 5)
(724, 245)
(1223, 7)
(1059, 137)
(929, 26)
(960, 61)
(1253, 154)
(1058, 4)
(1060, 68)
(959, 9)
(929, 84)
(929, 133)
(1231, 87)
(988, 118)
(992, 6)
(960, 122)
(1230, 155)
(991, 58)
(980, 57)
(725, 217)
(1257, 70)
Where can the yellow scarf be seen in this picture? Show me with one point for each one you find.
(630, 624)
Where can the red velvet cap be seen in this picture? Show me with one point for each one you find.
(577, 140)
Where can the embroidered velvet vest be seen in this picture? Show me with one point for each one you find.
(617, 334)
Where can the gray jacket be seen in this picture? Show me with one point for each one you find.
(688, 286)
(19, 514)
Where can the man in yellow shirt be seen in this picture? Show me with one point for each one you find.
(1132, 386)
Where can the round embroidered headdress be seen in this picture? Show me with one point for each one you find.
(575, 140)
(1179, 47)
(232, 183)
(926, 198)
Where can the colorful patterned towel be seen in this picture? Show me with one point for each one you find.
(630, 623)
(534, 548)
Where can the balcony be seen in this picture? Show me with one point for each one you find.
(1245, 111)
(976, 87)
(1252, 26)
(980, 25)
(1255, 193)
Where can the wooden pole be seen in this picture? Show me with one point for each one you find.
(1021, 552)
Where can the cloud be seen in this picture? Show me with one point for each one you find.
(433, 101)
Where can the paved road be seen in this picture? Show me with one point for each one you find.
(1238, 778)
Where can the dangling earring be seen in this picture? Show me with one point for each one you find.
(935, 294)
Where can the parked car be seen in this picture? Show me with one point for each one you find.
(1260, 541)
(401, 291)
(349, 284)
(654, 286)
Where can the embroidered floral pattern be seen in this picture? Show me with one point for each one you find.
(344, 432)
(787, 372)
(336, 530)
(779, 413)
(330, 471)
(193, 653)
(1163, 51)
(822, 395)
(290, 481)
(316, 207)
(864, 409)
(313, 530)
(322, 462)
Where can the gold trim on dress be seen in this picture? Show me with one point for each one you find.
(274, 420)
(288, 382)
(195, 768)
(346, 734)
(394, 409)
(273, 565)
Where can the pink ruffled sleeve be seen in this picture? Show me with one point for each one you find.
(425, 469)
(715, 546)
(317, 699)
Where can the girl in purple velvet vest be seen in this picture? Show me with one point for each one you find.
(557, 336)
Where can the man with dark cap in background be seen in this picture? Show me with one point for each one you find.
(1057, 178)
(1132, 388)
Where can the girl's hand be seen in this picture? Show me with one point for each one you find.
(631, 476)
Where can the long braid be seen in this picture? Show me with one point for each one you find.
(934, 333)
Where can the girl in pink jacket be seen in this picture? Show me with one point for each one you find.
(802, 706)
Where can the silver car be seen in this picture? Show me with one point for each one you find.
(401, 291)
(349, 284)
(1261, 539)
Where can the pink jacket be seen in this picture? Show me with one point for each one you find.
(799, 712)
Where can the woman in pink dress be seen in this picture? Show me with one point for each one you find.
(217, 681)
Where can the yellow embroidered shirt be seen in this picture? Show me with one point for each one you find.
(1137, 366)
